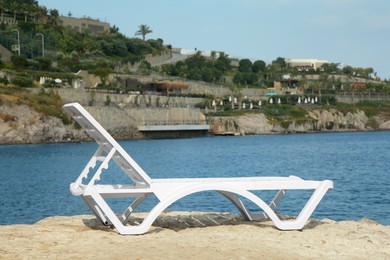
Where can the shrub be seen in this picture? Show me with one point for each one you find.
(23, 82)
(19, 61)
(297, 112)
(4, 81)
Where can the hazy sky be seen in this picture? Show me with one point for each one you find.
(352, 32)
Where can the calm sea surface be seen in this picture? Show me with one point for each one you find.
(35, 178)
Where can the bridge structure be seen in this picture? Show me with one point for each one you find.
(151, 128)
(173, 130)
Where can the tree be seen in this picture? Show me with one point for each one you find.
(143, 30)
(274, 71)
(53, 16)
(281, 61)
(145, 67)
(348, 70)
(213, 55)
(258, 66)
(245, 78)
(44, 63)
(245, 65)
(330, 67)
(114, 29)
(223, 63)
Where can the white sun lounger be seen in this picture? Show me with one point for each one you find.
(168, 191)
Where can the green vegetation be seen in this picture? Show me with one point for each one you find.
(143, 30)
(72, 50)
(370, 108)
(67, 51)
(197, 67)
(48, 103)
(23, 82)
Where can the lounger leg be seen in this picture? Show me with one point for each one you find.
(96, 210)
(111, 216)
(310, 206)
(307, 210)
(272, 205)
(245, 212)
(238, 203)
(131, 208)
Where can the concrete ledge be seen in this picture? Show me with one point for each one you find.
(147, 128)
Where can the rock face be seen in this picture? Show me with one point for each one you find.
(385, 126)
(335, 120)
(21, 124)
(317, 120)
(242, 125)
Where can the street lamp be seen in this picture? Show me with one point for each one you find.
(18, 46)
(43, 43)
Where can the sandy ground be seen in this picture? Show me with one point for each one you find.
(187, 236)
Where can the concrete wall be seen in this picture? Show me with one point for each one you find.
(125, 122)
(125, 100)
(5, 54)
(221, 91)
(114, 117)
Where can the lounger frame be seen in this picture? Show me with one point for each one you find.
(169, 190)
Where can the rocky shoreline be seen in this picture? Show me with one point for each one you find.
(175, 235)
(19, 124)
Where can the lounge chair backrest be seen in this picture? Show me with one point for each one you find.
(107, 143)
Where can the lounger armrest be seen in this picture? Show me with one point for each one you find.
(76, 189)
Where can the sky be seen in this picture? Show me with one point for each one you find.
(350, 32)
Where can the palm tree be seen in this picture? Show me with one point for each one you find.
(53, 16)
(14, 6)
(143, 30)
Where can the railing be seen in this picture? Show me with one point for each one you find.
(351, 97)
(175, 122)
(8, 20)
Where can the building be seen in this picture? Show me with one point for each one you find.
(86, 24)
(305, 64)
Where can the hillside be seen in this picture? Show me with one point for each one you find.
(135, 77)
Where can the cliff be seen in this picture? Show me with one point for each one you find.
(320, 120)
(21, 124)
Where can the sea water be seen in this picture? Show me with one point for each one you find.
(34, 179)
